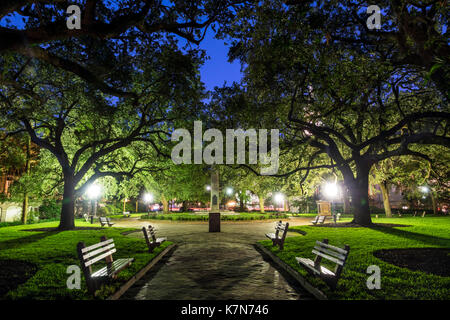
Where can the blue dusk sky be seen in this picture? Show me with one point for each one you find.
(215, 71)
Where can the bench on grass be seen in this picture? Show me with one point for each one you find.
(318, 219)
(277, 238)
(105, 221)
(127, 214)
(92, 254)
(151, 239)
(86, 217)
(323, 250)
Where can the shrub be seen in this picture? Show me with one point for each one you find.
(50, 209)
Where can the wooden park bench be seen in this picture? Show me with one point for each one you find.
(323, 250)
(151, 239)
(105, 221)
(127, 214)
(318, 219)
(92, 254)
(276, 238)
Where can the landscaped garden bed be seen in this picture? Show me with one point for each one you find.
(239, 216)
(377, 246)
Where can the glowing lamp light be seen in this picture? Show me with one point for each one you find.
(94, 191)
(208, 188)
(229, 191)
(148, 197)
(279, 198)
(331, 190)
(424, 189)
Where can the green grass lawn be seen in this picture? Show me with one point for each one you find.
(186, 216)
(396, 282)
(52, 252)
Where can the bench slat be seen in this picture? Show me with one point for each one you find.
(323, 255)
(330, 252)
(100, 257)
(332, 247)
(115, 268)
(98, 251)
(310, 264)
(103, 243)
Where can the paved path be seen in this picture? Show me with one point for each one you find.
(212, 266)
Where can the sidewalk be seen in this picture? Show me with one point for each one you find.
(214, 266)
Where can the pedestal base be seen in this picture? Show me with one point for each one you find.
(214, 222)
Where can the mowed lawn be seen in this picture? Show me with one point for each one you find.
(396, 282)
(52, 252)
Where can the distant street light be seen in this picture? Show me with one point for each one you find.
(229, 191)
(148, 197)
(424, 189)
(330, 190)
(93, 192)
(279, 198)
(208, 188)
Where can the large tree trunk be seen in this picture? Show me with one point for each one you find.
(385, 192)
(67, 221)
(27, 170)
(261, 204)
(165, 204)
(359, 189)
(25, 208)
(286, 205)
(433, 202)
(346, 199)
(241, 202)
(184, 206)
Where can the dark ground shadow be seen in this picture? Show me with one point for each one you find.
(17, 242)
(430, 260)
(433, 240)
(14, 273)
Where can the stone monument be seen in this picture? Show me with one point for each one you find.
(214, 214)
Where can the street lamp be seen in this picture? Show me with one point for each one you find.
(148, 197)
(208, 188)
(331, 190)
(424, 189)
(229, 191)
(279, 198)
(93, 193)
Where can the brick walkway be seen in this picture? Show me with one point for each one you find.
(213, 266)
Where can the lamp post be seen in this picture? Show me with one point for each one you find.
(331, 191)
(279, 198)
(93, 193)
(148, 197)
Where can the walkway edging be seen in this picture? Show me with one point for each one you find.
(299, 278)
(116, 295)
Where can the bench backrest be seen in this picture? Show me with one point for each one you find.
(331, 253)
(150, 230)
(321, 219)
(92, 254)
(283, 227)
